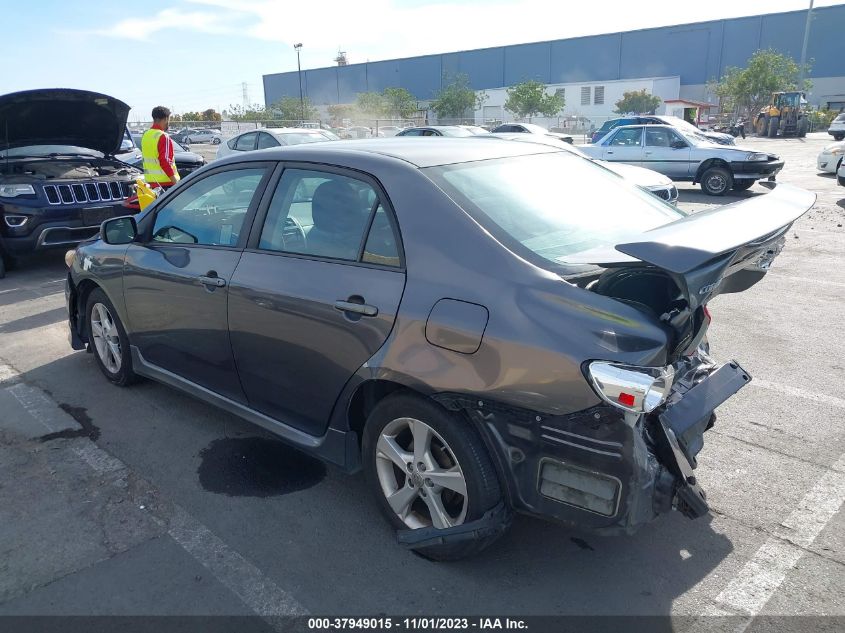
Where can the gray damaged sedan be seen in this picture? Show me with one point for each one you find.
(482, 327)
(686, 157)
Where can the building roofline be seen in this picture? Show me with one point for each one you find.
(564, 39)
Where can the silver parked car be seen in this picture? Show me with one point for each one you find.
(685, 157)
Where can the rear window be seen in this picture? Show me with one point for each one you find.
(297, 138)
(546, 204)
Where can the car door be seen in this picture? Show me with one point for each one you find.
(315, 293)
(176, 279)
(666, 151)
(624, 146)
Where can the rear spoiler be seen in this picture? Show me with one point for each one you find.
(690, 242)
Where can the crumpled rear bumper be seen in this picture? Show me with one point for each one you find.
(602, 469)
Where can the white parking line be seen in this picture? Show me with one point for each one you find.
(761, 576)
(798, 392)
(234, 571)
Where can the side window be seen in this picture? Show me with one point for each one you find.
(265, 140)
(674, 137)
(413, 133)
(318, 213)
(246, 142)
(210, 212)
(659, 137)
(628, 137)
(381, 245)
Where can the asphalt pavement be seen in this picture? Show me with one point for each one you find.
(144, 501)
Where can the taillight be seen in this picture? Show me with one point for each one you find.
(631, 388)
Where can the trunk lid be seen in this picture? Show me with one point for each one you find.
(721, 250)
(61, 116)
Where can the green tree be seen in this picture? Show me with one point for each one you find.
(254, 112)
(749, 89)
(456, 97)
(639, 101)
(530, 98)
(191, 116)
(399, 103)
(371, 104)
(291, 109)
(211, 115)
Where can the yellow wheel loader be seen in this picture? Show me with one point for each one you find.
(785, 114)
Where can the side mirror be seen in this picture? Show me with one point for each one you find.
(678, 145)
(122, 230)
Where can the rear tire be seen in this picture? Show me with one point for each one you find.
(187, 140)
(453, 445)
(838, 137)
(107, 339)
(716, 181)
(742, 185)
(215, 141)
(774, 122)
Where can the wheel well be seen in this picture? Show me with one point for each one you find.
(366, 397)
(707, 164)
(85, 288)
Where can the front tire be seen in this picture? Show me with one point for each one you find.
(215, 141)
(187, 140)
(428, 467)
(838, 137)
(774, 122)
(802, 127)
(716, 181)
(107, 339)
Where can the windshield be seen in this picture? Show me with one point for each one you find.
(549, 203)
(47, 150)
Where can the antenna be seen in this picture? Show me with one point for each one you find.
(341, 58)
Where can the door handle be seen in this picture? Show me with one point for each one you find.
(357, 308)
(214, 281)
(648, 153)
(610, 151)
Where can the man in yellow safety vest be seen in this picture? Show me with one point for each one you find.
(158, 152)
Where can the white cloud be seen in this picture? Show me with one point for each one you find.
(143, 28)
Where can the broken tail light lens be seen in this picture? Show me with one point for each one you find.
(631, 388)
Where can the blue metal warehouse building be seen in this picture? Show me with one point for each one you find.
(694, 52)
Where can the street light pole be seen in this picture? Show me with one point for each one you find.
(804, 48)
(299, 72)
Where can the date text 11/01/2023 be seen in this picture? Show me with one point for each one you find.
(417, 624)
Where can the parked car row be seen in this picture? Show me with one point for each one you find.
(655, 119)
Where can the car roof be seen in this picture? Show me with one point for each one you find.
(437, 150)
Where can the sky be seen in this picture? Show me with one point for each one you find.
(197, 54)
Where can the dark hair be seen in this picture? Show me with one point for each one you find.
(160, 112)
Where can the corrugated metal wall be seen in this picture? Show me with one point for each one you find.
(695, 52)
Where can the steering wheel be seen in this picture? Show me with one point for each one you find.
(291, 221)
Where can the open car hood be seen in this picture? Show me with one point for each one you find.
(725, 249)
(62, 116)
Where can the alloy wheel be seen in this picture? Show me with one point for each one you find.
(420, 476)
(106, 337)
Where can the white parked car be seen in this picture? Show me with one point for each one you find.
(658, 184)
(272, 137)
(837, 127)
(204, 136)
(840, 175)
(830, 159)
